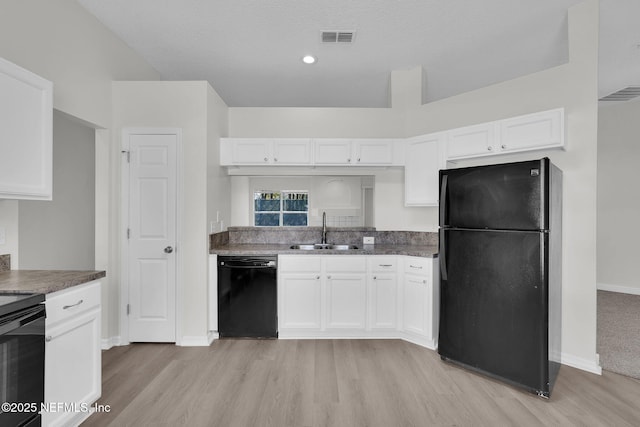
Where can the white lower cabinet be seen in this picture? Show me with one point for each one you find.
(299, 293)
(73, 354)
(383, 292)
(421, 301)
(345, 292)
(368, 296)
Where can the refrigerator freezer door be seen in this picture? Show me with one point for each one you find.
(502, 197)
(493, 305)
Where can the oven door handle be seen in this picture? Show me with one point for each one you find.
(22, 318)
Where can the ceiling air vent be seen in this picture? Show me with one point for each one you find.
(338, 36)
(623, 94)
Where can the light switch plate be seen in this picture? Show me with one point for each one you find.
(368, 240)
(3, 236)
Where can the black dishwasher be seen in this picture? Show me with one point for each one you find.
(247, 296)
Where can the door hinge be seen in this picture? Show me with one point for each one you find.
(128, 309)
(128, 233)
(128, 155)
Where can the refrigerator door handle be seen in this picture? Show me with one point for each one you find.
(443, 200)
(442, 255)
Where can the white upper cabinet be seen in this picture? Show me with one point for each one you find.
(307, 152)
(535, 131)
(333, 152)
(265, 151)
(292, 151)
(471, 141)
(373, 151)
(366, 152)
(26, 140)
(424, 157)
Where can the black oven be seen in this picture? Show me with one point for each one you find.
(22, 351)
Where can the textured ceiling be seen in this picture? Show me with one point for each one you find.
(250, 50)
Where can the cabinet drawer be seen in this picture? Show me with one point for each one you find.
(345, 263)
(299, 263)
(417, 265)
(67, 303)
(380, 264)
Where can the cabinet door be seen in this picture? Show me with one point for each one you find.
(416, 303)
(373, 152)
(424, 159)
(251, 151)
(333, 152)
(26, 134)
(533, 131)
(299, 296)
(72, 367)
(383, 308)
(472, 141)
(292, 151)
(346, 301)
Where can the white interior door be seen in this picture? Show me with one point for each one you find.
(152, 237)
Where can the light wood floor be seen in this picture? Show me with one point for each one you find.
(339, 383)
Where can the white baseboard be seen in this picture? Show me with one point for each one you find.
(195, 341)
(618, 288)
(107, 343)
(592, 366)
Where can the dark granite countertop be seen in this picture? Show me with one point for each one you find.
(44, 281)
(428, 251)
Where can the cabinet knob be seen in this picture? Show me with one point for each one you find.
(266, 159)
(48, 338)
(489, 148)
(275, 159)
(358, 159)
(328, 277)
(317, 277)
(348, 160)
(503, 146)
(375, 278)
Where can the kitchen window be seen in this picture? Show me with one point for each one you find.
(281, 208)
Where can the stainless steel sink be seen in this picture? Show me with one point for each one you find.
(342, 247)
(310, 247)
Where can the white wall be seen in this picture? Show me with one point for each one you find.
(60, 234)
(618, 197)
(62, 42)
(219, 182)
(195, 108)
(339, 196)
(9, 222)
(572, 85)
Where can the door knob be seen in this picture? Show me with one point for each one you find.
(168, 250)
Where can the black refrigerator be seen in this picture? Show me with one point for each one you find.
(501, 271)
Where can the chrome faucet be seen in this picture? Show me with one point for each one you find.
(324, 228)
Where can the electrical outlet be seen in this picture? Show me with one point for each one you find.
(368, 240)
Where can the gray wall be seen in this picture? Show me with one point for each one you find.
(60, 234)
(618, 197)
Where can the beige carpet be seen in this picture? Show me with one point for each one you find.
(618, 339)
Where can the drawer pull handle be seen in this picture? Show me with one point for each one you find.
(72, 305)
(415, 266)
(385, 265)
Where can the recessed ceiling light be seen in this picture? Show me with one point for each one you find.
(308, 59)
